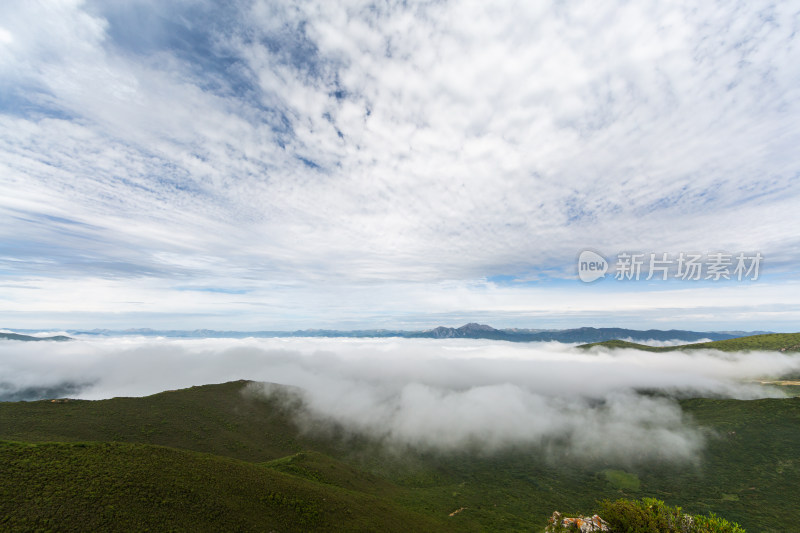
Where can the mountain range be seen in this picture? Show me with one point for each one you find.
(467, 331)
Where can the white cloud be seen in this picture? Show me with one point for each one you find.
(425, 393)
(446, 141)
(6, 37)
(254, 304)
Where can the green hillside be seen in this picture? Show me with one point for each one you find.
(784, 342)
(748, 473)
(216, 419)
(613, 344)
(136, 487)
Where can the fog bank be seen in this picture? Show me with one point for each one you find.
(425, 393)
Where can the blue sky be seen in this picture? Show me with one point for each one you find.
(282, 165)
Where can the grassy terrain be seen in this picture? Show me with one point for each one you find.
(784, 342)
(216, 419)
(136, 487)
(749, 472)
(626, 344)
(619, 479)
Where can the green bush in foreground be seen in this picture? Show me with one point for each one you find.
(649, 515)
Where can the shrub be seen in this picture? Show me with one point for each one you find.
(649, 515)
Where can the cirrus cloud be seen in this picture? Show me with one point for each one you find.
(360, 143)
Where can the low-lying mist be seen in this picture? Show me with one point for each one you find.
(432, 394)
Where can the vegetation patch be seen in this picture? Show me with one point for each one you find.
(781, 342)
(652, 515)
(619, 479)
(137, 487)
(211, 458)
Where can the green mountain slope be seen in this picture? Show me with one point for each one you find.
(135, 487)
(220, 419)
(749, 471)
(784, 342)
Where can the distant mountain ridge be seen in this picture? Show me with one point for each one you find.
(781, 342)
(481, 331)
(20, 337)
(472, 330)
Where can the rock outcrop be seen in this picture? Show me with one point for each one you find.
(559, 523)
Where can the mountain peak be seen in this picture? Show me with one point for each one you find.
(474, 326)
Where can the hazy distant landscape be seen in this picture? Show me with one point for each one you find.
(467, 331)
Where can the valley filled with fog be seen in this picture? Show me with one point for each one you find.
(442, 395)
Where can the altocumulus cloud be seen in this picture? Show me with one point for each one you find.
(425, 393)
(326, 145)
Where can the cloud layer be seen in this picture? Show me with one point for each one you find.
(255, 145)
(429, 394)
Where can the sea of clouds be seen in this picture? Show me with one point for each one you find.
(434, 394)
